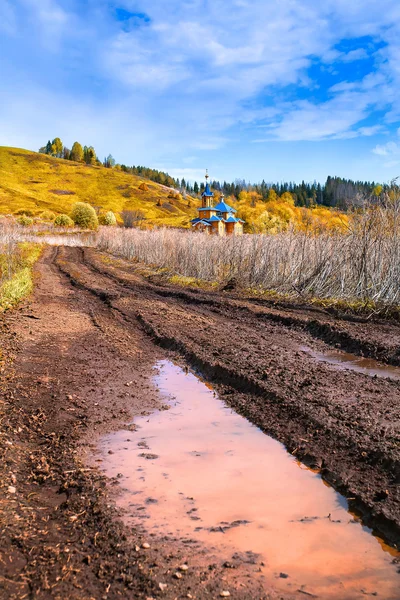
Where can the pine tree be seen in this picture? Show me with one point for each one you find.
(89, 155)
(109, 163)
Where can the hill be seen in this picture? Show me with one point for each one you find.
(35, 182)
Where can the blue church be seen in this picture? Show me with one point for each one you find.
(219, 219)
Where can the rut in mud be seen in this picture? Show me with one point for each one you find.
(83, 365)
(343, 422)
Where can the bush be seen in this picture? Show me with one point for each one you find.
(84, 216)
(144, 187)
(47, 215)
(63, 221)
(132, 218)
(175, 196)
(24, 213)
(108, 219)
(25, 221)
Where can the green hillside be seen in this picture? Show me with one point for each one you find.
(34, 182)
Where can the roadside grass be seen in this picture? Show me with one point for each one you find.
(16, 268)
(31, 182)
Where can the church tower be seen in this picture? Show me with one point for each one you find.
(207, 196)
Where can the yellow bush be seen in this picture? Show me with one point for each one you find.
(84, 216)
(108, 219)
(63, 221)
(25, 221)
(47, 215)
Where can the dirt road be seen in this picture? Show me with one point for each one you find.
(77, 363)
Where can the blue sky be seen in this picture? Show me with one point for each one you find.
(253, 89)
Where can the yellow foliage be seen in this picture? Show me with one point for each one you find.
(278, 213)
(31, 183)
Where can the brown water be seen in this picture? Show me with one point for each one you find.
(352, 362)
(201, 471)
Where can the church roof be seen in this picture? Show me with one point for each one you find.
(207, 192)
(223, 207)
(231, 219)
(214, 219)
(196, 222)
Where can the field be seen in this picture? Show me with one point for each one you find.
(35, 182)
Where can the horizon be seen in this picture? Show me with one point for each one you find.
(280, 93)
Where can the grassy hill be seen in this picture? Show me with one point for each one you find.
(35, 182)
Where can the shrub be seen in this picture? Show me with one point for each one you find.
(63, 221)
(132, 218)
(84, 215)
(108, 219)
(24, 213)
(25, 221)
(47, 215)
(144, 187)
(175, 195)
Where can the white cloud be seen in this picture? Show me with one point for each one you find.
(359, 54)
(182, 82)
(388, 149)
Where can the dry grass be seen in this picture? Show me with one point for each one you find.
(361, 265)
(35, 182)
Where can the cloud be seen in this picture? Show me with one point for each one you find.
(198, 80)
(359, 54)
(388, 149)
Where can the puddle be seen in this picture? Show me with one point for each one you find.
(199, 471)
(352, 362)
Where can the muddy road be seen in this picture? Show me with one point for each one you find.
(77, 364)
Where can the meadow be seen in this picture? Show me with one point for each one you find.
(31, 183)
(311, 253)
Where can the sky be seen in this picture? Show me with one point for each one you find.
(251, 89)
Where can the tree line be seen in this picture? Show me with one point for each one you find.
(87, 155)
(335, 192)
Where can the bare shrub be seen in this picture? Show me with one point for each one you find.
(361, 264)
(132, 218)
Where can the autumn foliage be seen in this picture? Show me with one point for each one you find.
(277, 213)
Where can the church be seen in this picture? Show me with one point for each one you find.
(219, 219)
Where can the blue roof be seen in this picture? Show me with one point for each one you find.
(214, 218)
(198, 221)
(232, 219)
(207, 208)
(223, 207)
(207, 192)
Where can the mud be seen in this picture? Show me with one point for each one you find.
(81, 367)
(352, 362)
(219, 480)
